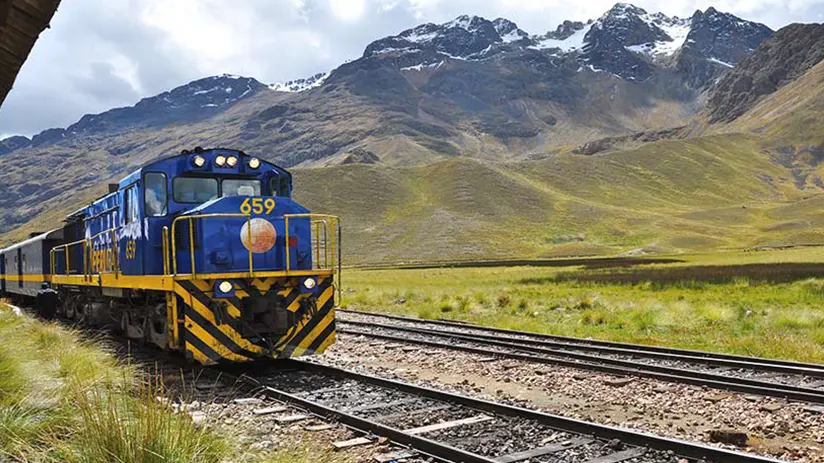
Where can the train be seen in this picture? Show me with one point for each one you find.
(203, 252)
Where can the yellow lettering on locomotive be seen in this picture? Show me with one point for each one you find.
(257, 206)
(131, 249)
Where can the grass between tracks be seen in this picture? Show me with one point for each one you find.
(767, 304)
(65, 398)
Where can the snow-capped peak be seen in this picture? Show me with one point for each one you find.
(626, 41)
(464, 22)
(465, 37)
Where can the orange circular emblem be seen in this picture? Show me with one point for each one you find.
(262, 238)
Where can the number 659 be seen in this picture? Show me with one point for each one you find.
(257, 206)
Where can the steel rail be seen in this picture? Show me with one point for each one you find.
(593, 342)
(432, 448)
(682, 448)
(627, 369)
(553, 349)
(531, 345)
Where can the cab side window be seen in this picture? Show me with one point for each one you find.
(280, 186)
(155, 194)
(132, 214)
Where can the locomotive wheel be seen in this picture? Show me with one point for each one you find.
(157, 331)
(71, 309)
(133, 328)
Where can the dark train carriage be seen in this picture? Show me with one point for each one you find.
(25, 266)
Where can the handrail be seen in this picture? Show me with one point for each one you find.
(320, 217)
(331, 243)
(65, 249)
(191, 218)
(165, 240)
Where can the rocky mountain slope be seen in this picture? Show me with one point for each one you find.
(469, 87)
(785, 57)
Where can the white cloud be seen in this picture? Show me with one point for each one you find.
(348, 10)
(101, 54)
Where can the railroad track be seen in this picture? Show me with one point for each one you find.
(451, 427)
(775, 378)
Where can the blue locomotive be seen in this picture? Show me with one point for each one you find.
(204, 252)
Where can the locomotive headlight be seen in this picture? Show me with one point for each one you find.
(199, 161)
(225, 287)
(220, 160)
(232, 161)
(254, 163)
(310, 283)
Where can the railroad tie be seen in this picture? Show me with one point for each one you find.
(351, 443)
(449, 424)
(541, 451)
(619, 456)
(269, 410)
(412, 413)
(365, 408)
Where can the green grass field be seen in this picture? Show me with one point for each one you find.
(768, 304)
(66, 398)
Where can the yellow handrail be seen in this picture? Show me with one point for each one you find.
(319, 218)
(65, 249)
(165, 239)
(331, 243)
(248, 218)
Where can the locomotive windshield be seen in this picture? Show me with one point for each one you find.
(240, 187)
(199, 190)
(194, 190)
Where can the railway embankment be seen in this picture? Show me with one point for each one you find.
(777, 428)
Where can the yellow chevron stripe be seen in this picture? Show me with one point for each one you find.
(208, 315)
(308, 340)
(263, 285)
(324, 298)
(210, 341)
(207, 287)
(295, 305)
(198, 355)
(286, 291)
(326, 343)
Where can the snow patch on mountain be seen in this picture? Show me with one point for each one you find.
(576, 41)
(421, 67)
(722, 63)
(300, 85)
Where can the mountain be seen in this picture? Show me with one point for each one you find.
(784, 58)
(195, 101)
(475, 137)
(471, 87)
(716, 42)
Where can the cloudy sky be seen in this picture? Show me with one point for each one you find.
(101, 54)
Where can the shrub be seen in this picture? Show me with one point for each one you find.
(136, 428)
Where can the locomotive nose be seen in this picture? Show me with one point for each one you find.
(249, 233)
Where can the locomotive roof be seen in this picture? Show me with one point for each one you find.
(134, 176)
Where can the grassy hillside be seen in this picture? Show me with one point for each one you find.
(717, 192)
